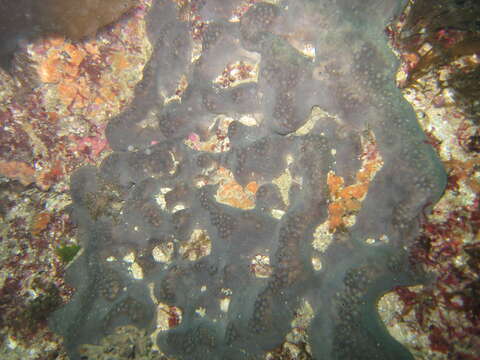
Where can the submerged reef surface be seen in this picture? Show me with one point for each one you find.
(24, 20)
(338, 172)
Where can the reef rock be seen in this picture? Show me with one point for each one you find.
(23, 20)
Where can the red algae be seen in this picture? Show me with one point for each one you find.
(445, 312)
(47, 131)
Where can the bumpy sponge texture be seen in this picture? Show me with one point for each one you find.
(333, 147)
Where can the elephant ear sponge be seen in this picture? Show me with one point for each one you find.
(243, 203)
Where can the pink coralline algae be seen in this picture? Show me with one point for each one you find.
(59, 123)
(54, 101)
(439, 46)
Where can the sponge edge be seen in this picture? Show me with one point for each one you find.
(154, 203)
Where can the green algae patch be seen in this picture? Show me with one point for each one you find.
(67, 252)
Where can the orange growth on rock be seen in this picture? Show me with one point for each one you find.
(335, 209)
(352, 205)
(50, 70)
(335, 222)
(120, 61)
(108, 94)
(40, 223)
(369, 170)
(356, 191)
(335, 183)
(252, 187)
(232, 193)
(18, 171)
(63, 59)
(77, 70)
(347, 200)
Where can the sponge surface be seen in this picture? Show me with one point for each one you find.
(337, 168)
